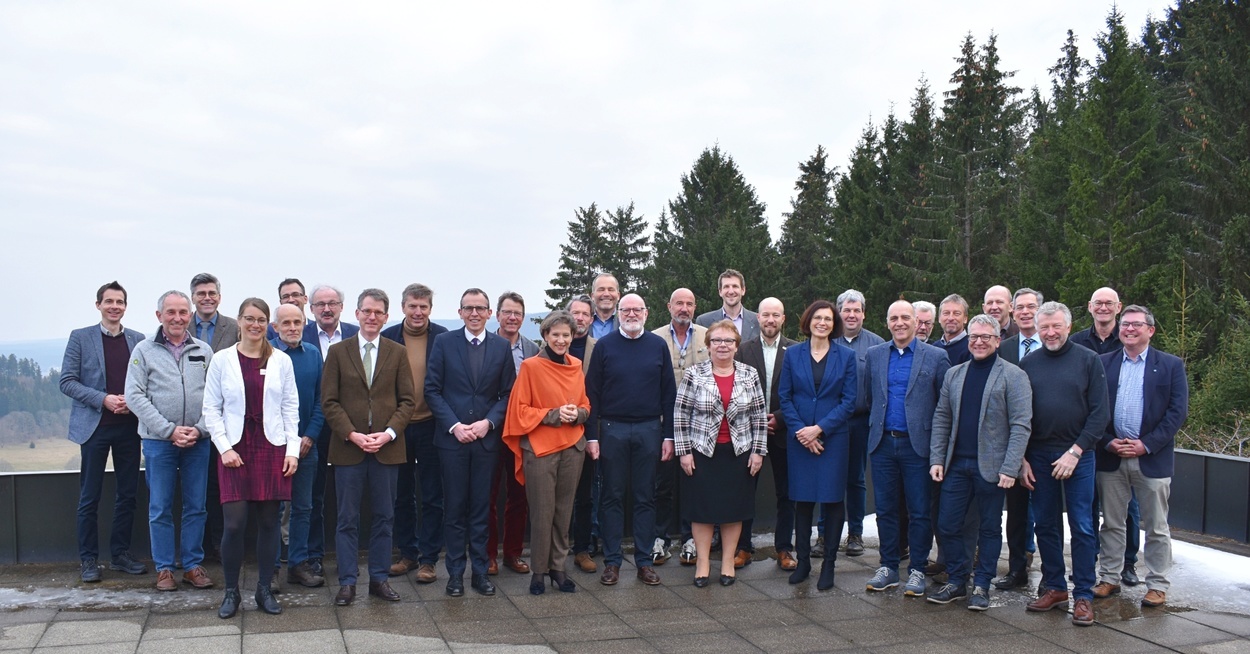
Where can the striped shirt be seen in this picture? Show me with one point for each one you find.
(1128, 398)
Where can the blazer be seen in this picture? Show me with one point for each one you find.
(750, 321)
(1004, 426)
(349, 330)
(1009, 349)
(696, 351)
(752, 353)
(349, 403)
(1165, 406)
(225, 401)
(396, 333)
(802, 405)
(225, 334)
(700, 408)
(928, 367)
(454, 397)
(82, 378)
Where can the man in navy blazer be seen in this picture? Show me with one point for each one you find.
(1149, 396)
(904, 380)
(467, 383)
(93, 374)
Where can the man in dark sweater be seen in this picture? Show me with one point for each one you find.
(632, 391)
(1070, 413)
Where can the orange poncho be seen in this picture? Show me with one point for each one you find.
(543, 385)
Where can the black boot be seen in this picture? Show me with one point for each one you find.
(265, 600)
(826, 568)
(229, 604)
(802, 545)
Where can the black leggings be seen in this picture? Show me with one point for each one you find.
(234, 516)
(833, 512)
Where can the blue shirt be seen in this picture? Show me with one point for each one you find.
(1128, 397)
(896, 383)
(306, 361)
(204, 328)
(600, 328)
(1033, 346)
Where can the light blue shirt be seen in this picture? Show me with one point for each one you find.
(1128, 397)
(204, 328)
(1034, 344)
(600, 328)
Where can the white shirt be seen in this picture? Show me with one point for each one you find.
(770, 357)
(328, 339)
(370, 359)
(469, 336)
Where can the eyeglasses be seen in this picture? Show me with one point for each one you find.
(1104, 304)
(372, 313)
(1026, 307)
(1135, 324)
(924, 323)
(475, 309)
(982, 338)
(253, 320)
(290, 296)
(632, 310)
(326, 305)
(206, 294)
(511, 314)
(722, 341)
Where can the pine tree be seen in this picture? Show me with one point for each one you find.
(805, 242)
(581, 256)
(625, 250)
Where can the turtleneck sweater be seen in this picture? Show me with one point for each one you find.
(415, 343)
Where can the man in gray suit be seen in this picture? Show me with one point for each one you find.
(904, 378)
(93, 374)
(220, 332)
(980, 431)
(732, 287)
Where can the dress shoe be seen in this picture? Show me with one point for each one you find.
(517, 565)
(426, 574)
(1013, 579)
(1154, 598)
(229, 604)
(647, 575)
(700, 582)
(1049, 600)
(785, 560)
(303, 575)
(727, 580)
(197, 577)
(561, 580)
(492, 568)
(585, 563)
(265, 600)
(482, 584)
(742, 559)
(1129, 577)
(1104, 589)
(90, 571)
(165, 581)
(347, 595)
(401, 567)
(611, 574)
(854, 545)
(126, 563)
(1082, 613)
(455, 587)
(382, 590)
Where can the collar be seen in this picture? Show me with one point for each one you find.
(689, 334)
(1140, 358)
(724, 313)
(602, 321)
(958, 337)
(512, 345)
(632, 338)
(910, 347)
(120, 330)
(160, 338)
(282, 345)
(212, 321)
(338, 331)
(360, 338)
(469, 336)
(776, 341)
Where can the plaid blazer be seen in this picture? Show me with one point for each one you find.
(699, 410)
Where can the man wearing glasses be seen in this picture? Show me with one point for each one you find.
(220, 332)
(290, 291)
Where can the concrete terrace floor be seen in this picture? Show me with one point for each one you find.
(45, 609)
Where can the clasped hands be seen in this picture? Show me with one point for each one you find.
(809, 437)
(370, 443)
(476, 430)
(1126, 448)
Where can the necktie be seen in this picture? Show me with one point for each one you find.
(369, 364)
(475, 341)
(199, 330)
(1028, 346)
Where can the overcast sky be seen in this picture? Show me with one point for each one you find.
(381, 143)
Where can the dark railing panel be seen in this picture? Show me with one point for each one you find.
(1189, 487)
(1228, 498)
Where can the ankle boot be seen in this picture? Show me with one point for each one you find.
(826, 568)
(229, 604)
(802, 548)
(265, 600)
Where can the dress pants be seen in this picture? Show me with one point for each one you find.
(419, 535)
(895, 467)
(350, 484)
(783, 536)
(1116, 489)
(1019, 525)
(514, 511)
(585, 510)
(123, 440)
(550, 485)
(316, 518)
(856, 477)
(628, 452)
(1050, 497)
(467, 472)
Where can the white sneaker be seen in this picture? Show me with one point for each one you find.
(659, 552)
(688, 553)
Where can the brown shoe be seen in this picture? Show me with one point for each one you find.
(1104, 589)
(1154, 598)
(426, 574)
(165, 581)
(1049, 600)
(1082, 613)
(585, 562)
(402, 566)
(303, 575)
(197, 577)
(346, 595)
(517, 565)
(742, 559)
(611, 575)
(647, 575)
(786, 560)
(493, 568)
(383, 590)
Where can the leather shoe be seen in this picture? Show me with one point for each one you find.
(303, 575)
(383, 590)
(197, 577)
(1154, 598)
(700, 582)
(347, 594)
(727, 580)
(517, 565)
(126, 563)
(1104, 589)
(1049, 600)
(482, 584)
(229, 604)
(1082, 613)
(493, 568)
(647, 575)
(611, 574)
(426, 574)
(585, 563)
(1129, 577)
(401, 567)
(743, 559)
(786, 560)
(265, 600)
(455, 587)
(855, 545)
(165, 581)
(1013, 579)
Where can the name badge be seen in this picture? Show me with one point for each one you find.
(263, 371)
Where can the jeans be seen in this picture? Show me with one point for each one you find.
(628, 452)
(124, 441)
(856, 478)
(1050, 497)
(963, 488)
(895, 466)
(170, 467)
(585, 513)
(419, 536)
(350, 484)
(301, 509)
(317, 519)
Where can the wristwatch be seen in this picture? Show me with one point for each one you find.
(1073, 452)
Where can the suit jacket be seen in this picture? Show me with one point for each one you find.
(396, 333)
(454, 396)
(1009, 349)
(832, 406)
(1165, 406)
(82, 378)
(752, 353)
(1003, 428)
(349, 403)
(225, 334)
(349, 330)
(696, 352)
(750, 321)
(928, 367)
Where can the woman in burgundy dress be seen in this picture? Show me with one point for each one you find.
(251, 409)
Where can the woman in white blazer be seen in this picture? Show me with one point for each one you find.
(251, 410)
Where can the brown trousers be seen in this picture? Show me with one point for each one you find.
(550, 487)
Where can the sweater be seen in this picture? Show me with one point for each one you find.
(1070, 403)
(631, 380)
(970, 409)
(544, 385)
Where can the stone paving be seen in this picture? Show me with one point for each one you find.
(44, 609)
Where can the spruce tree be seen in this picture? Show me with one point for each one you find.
(805, 243)
(625, 250)
(581, 256)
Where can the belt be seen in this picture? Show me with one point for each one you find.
(896, 434)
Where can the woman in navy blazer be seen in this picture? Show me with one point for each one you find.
(817, 392)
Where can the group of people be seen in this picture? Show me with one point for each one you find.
(243, 415)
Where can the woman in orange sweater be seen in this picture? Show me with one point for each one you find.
(544, 425)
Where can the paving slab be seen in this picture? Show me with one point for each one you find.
(323, 641)
(21, 636)
(87, 632)
(200, 645)
(363, 641)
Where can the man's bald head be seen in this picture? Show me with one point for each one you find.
(288, 321)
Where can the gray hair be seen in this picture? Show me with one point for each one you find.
(418, 292)
(326, 287)
(377, 294)
(583, 298)
(955, 298)
(1036, 294)
(1051, 308)
(984, 319)
(205, 278)
(557, 317)
(851, 295)
(923, 305)
(1137, 308)
(160, 303)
